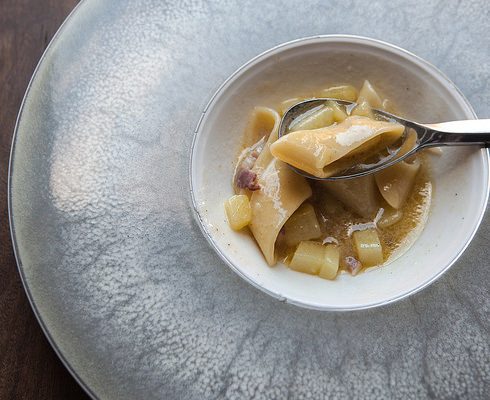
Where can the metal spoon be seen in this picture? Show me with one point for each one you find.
(416, 136)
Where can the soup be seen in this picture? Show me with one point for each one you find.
(323, 227)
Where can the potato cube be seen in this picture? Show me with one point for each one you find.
(368, 247)
(331, 261)
(308, 258)
(318, 119)
(238, 211)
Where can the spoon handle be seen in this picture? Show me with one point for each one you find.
(471, 132)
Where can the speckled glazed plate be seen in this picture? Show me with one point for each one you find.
(131, 296)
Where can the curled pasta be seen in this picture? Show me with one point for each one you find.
(396, 182)
(265, 122)
(368, 98)
(338, 114)
(369, 95)
(282, 192)
(322, 152)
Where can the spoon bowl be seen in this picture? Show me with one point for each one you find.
(415, 137)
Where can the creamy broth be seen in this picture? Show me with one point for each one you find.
(323, 228)
(335, 219)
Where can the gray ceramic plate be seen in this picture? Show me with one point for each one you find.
(122, 280)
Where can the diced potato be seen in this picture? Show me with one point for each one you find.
(390, 217)
(338, 114)
(368, 94)
(343, 92)
(302, 225)
(314, 258)
(238, 211)
(368, 247)
(331, 262)
(318, 119)
(287, 104)
(309, 257)
(396, 182)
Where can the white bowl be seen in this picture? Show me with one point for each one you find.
(421, 92)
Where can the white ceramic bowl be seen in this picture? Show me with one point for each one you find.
(421, 92)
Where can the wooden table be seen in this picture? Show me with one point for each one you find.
(29, 368)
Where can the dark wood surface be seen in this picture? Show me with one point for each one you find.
(29, 368)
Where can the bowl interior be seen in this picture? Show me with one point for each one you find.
(422, 93)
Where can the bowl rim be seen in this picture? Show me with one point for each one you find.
(341, 38)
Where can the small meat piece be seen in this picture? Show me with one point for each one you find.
(353, 265)
(246, 179)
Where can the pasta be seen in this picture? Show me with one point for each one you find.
(339, 115)
(322, 152)
(283, 192)
(396, 182)
(369, 95)
(268, 119)
(319, 227)
(363, 110)
(361, 195)
(343, 92)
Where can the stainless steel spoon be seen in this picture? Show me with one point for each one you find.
(417, 136)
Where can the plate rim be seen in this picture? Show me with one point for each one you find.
(18, 262)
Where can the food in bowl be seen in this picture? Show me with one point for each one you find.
(321, 227)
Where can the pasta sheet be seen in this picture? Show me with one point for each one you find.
(326, 151)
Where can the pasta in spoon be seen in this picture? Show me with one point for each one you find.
(325, 151)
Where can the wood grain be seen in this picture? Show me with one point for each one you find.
(29, 368)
